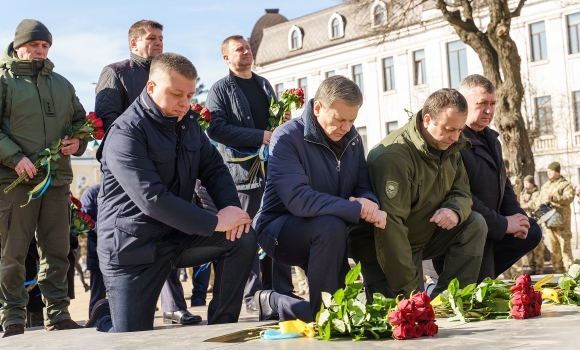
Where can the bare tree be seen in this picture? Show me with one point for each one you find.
(493, 44)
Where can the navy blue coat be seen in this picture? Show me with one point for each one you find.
(89, 202)
(233, 125)
(149, 165)
(306, 179)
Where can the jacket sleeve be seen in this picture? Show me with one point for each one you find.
(392, 243)
(125, 153)
(222, 130)
(215, 177)
(564, 196)
(459, 197)
(109, 100)
(363, 184)
(10, 152)
(287, 175)
(89, 201)
(79, 117)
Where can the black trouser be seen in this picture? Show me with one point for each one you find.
(498, 256)
(133, 296)
(317, 245)
(200, 284)
(98, 290)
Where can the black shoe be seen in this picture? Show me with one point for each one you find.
(182, 317)
(100, 309)
(252, 309)
(265, 311)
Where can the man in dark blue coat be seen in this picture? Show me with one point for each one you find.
(318, 183)
(150, 159)
(511, 234)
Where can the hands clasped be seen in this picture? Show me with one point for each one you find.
(370, 212)
(233, 221)
(518, 225)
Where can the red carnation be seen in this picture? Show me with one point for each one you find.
(99, 134)
(80, 215)
(421, 299)
(92, 116)
(423, 314)
(98, 123)
(206, 114)
(87, 217)
(417, 331)
(520, 299)
(537, 297)
(91, 224)
(407, 308)
(524, 279)
(197, 107)
(396, 318)
(299, 92)
(519, 312)
(429, 328)
(76, 202)
(403, 331)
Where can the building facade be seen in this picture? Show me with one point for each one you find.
(398, 75)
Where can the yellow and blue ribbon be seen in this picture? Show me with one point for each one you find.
(262, 153)
(42, 186)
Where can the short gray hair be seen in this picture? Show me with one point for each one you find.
(470, 82)
(341, 88)
(169, 61)
(444, 98)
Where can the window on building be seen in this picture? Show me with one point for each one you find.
(329, 74)
(303, 83)
(539, 48)
(279, 89)
(379, 15)
(362, 131)
(391, 126)
(295, 39)
(388, 74)
(419, 67)
(335, 28)
(576, 98)
(574, 32)
(457, 61)
(544, 115)
(357, 76)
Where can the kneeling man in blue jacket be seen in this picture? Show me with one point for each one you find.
(317, 184)
(150, 159)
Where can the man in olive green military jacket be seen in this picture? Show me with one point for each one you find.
(528, 200)
(36, 105)
(560, 193)
(418, 175)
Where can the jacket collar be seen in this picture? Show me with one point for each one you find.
(141, 62)
(481, 149)
(24, 67)
(165, 122)
(311, 130)
(419, 142)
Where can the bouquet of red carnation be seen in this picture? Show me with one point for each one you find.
(526, 302)
(91, 129)
(80, 222)
(290, 100)
(414, 318)
(204, 115)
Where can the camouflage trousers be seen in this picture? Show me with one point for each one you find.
(536, 258)
(515, 270)
(561, 249)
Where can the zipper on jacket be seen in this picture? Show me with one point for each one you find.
(335, 157)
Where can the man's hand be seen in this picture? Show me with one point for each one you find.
(381, 220)
(25, 165)
(518, 224)
(70, 146)
(267, 137)
(370, 212)
(445, 218)
(233, 221)
(521, 235)
(287, 116)
(523, 198)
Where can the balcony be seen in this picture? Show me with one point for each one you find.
(543, 144)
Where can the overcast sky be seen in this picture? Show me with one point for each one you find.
(89, 35)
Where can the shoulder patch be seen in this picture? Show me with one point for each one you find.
(391, 189)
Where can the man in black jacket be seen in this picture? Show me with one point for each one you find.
(150, 159)
(239, 104)
(511, 234)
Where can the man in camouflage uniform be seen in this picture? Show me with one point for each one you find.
(528, 200)
(517, 268)
(560, 193)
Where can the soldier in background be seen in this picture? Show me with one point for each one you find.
(560, 194)
(515, 180)
(528, 198)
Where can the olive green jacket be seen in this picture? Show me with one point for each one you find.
(411, 184)
(560, 193)
(36, 105)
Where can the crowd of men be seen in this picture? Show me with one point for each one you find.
(169, 198)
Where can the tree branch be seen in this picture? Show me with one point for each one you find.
(455, 20)
(516, 12)
(467, 10)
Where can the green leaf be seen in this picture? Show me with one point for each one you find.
(327, 331)
(453, 287)
(352, 275)
(339, 325)
(339, 296)
(326, 299)
(574, 271)
(468, 290)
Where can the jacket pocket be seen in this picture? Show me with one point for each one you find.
(5, 216)
(135, 241)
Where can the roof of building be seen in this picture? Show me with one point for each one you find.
(272, 17)
(274, 42)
